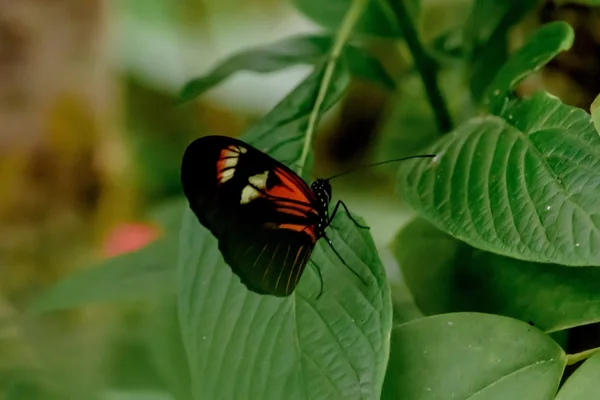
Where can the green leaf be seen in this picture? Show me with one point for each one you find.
(553, 297)
(433, 277)
(143, 274)
(583, 384)
(595, 111)
(244, 345)
(472, 356)
(486, 38)
(165, 349)
(527, 191)
(540, 48)
(487, 17)
(403, 304)
(304, 49)
(459, 278)
(377, 20)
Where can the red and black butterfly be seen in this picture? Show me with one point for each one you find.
(266, 218)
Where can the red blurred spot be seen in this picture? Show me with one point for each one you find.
(128, 237)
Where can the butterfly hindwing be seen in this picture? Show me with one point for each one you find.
(267, 261)
(262, 213)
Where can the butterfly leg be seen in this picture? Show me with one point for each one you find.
(320, 277)
(344, 262)
(341, 203)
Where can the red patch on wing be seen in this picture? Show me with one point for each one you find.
(291, 187)
(298, 210)
(292, 196)
(221, 162)
(309, 229)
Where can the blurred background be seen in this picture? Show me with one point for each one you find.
(91, 138)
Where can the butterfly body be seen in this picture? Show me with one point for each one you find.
(266, 218)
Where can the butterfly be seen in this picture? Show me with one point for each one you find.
(266, 218)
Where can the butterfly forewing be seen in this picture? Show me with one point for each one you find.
(264, 216)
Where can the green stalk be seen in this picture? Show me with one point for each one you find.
(575, 358)
(350, 19)
(426, 66)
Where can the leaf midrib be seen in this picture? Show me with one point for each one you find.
(559, 182)
(535, 364)
(301, 353)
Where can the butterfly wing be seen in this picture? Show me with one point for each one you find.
(262, 213)
(267, 262)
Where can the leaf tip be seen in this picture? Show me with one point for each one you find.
(191, 90)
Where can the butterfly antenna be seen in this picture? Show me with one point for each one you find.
(381, 163)
(344, 262)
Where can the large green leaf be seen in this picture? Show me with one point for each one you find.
(486, 37)
(377, 20)
(458, 278)
(526, 190)
(472, 356)
(304, 49)
(583, 384)
(540, 48)
(433, 277)
(244, 345)
(147, 273)
(143, 274)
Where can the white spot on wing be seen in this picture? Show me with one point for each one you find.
(230, 162)
(227, 175)
(259, 180)
(250, 192)
(227, 163)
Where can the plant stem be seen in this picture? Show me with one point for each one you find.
(426, 66)
(575, 358)
(350, 19)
